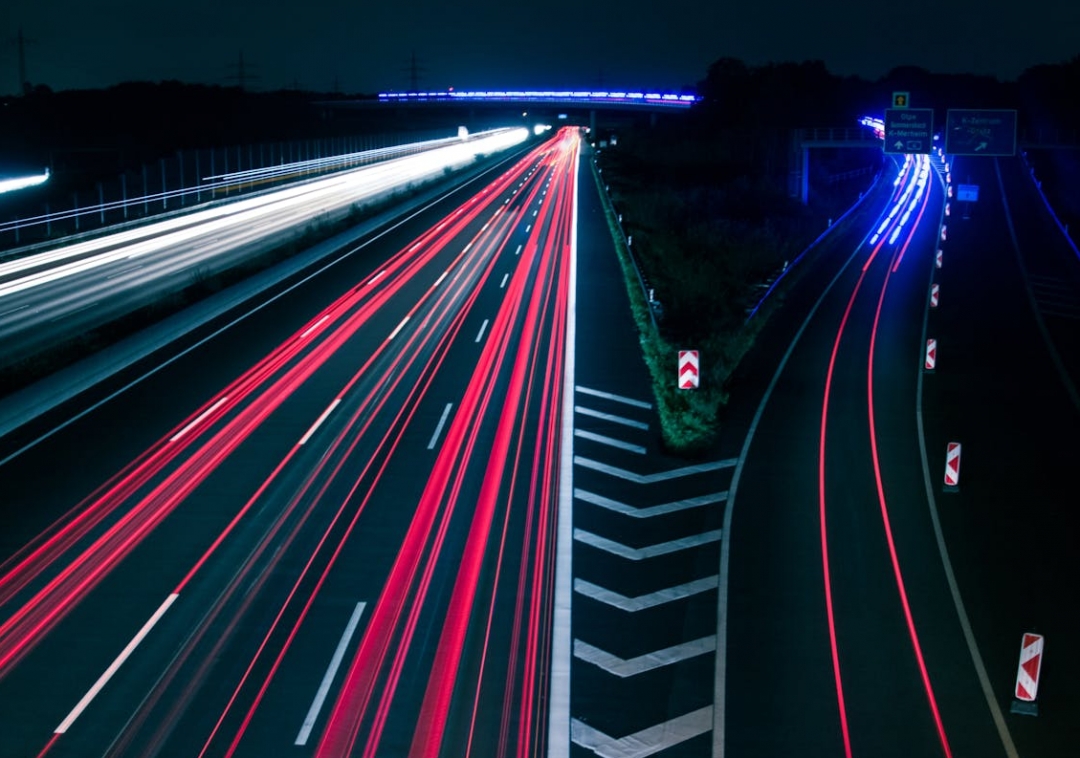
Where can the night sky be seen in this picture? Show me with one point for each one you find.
(366, 46)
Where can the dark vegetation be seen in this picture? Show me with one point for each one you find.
(710, 202)
(708, 198)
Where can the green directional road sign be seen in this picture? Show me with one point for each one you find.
(980, 132)
(909, 130)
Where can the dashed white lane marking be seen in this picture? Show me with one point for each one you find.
(328, 677)
(439, 427)
(115, 665)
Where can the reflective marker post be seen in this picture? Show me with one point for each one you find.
(952, 467)
(1027, 675)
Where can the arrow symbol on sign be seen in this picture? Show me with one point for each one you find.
(980, 146)
(899, 145)
(689, 368)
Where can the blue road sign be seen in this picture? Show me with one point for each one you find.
(968, 193)
(980, 132)
(909, 130)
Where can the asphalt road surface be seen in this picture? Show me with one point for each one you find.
(872, 612)
(328, 531)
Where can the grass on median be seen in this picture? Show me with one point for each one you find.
(690, 419)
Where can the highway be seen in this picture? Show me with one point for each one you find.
(46, 297)
(871, 611)
(327, 531)
(356, 518)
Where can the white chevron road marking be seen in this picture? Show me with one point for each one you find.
(654, 510)
(650, 600)
(647, 741)
(620, 667)
(640, 553)
(660, 476)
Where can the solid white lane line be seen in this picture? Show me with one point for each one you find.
(194, 423)
(647, 741)
(650, 600)
(655, 510)
(398, 328)
(115, 665)
(609, 441)
(610, 417)
(659, 476)
(651, 551)
(503, 284)
(314, 326)
(15, 310)
(480, 334)
(328, 677)
(627, 667)
(616, 398)
(318, 422)
(438, 428)
(559, 722)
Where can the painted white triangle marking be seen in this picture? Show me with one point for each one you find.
(620, 667)
(649, 600)
(647, 741)
(637, 554)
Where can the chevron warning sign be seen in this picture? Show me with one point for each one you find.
(1027, 673)
(952, 467)
(937, 260)
(931, 355)
(689, 373)
(935, 295)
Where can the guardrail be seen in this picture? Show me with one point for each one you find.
(277, 169)
(788, 268)
(1038, 188)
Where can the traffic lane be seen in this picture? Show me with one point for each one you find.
(897, 363)
(45, 315)
(751, 377)
(996, 391)
(32, 321)
(74, 252)
(308, 421)
(370, 540)
(886, 703)
(1052, 266)
(179, 379)
(781, 693)
(768, 596)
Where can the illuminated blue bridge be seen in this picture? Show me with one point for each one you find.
(580, 106)
(588, 98)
